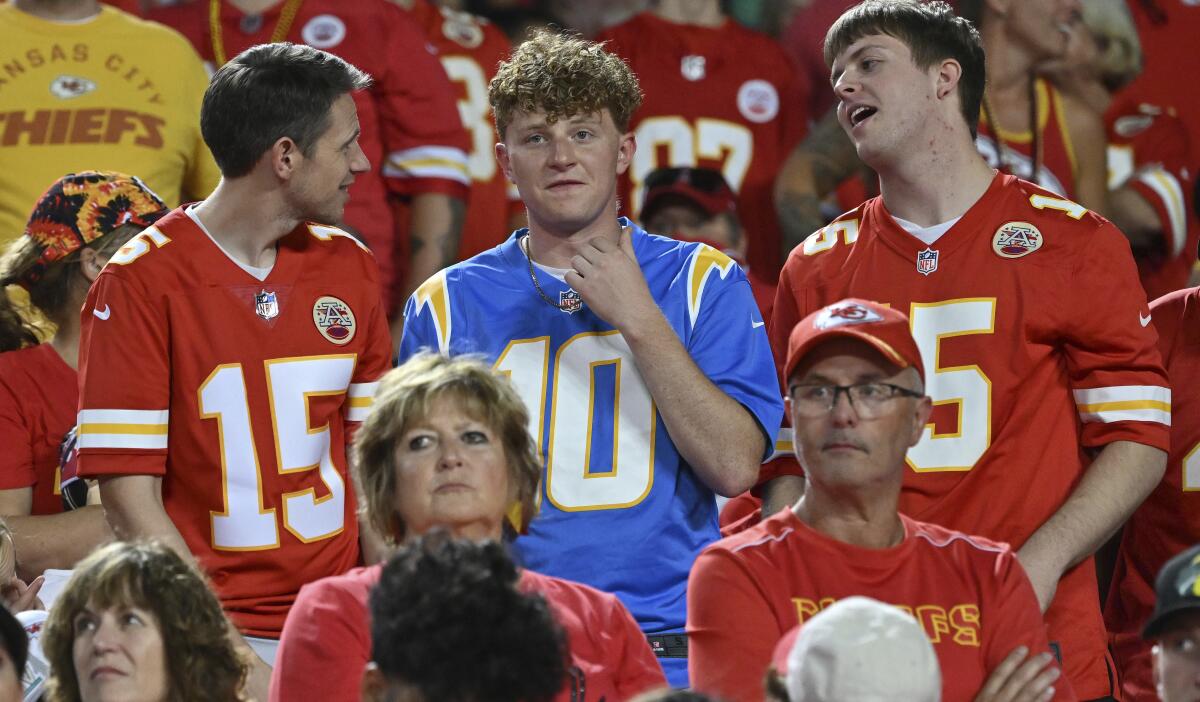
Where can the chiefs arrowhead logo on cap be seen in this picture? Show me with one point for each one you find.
(845, 313)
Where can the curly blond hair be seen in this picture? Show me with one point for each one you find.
(563, 75)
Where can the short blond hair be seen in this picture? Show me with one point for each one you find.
(563, 75)
(405, 396)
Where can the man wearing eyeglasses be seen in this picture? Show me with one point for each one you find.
(856, 397)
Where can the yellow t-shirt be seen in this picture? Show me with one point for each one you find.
(113, 92)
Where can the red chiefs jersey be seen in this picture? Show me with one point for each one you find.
(1035, 338)
(330, 632)
(471, 49)
(238, 392)
(38, 396)
(723, 98)
(411, 131)
(1168, 31)
(1056, 172)
(1169, 520)
(1147, 150)
(745, 592)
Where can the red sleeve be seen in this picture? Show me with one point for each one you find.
(786, 312)
(325, 644)
(424, 142)
(635, 667)
(731, 629)
(1116, 373)
(1012, 618)
(123, 415)
(16, 461)
(375, 360)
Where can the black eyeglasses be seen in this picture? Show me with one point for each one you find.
(869, 400)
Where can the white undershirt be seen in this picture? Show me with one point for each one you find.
(258, 272)
(927, 235)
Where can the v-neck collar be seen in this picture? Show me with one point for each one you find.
(878, 219)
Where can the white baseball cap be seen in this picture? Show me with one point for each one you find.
(863, 650)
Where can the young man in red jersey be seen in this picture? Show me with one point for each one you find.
(846, 537)
(254, 338)
(1052, 409)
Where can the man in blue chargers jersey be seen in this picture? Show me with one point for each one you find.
(643, 360)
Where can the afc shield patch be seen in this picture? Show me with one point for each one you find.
(927, 261)
(570, 301)
(1016, 239)
(266, 305)
(334, 319)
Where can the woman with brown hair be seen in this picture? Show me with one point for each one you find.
(81, 220)
(446, 446)
(136, 623)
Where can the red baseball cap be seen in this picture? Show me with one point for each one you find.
(882, 327)
(704, 188)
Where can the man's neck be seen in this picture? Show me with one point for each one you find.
(852, 517)
(702, 13)
(246, 220)
(1009, 67)
(937, 184)
(60, 10)
(254, 7)
(556, 248)
(66, 329)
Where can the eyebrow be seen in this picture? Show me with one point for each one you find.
(853, 55)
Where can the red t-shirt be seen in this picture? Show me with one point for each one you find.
(411, 131)
(471, 49)
(1035, 338)
(241, 394)
(1147, 149)
(746, 591)
(1056, 172)
(1169, 520)
(329, 631)
(724, 98)
(39, 393)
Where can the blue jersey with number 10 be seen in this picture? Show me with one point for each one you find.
(620, 508)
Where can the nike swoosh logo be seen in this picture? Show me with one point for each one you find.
(756, 325)
(108, 313)
(1144, 320)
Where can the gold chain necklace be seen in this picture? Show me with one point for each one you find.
(282, 25)
(532, 276)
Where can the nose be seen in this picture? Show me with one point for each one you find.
(451, 455)
(562, 154)
(360, 163)
(843, 412)
(105, 638)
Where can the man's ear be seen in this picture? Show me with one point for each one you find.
(949, 72)
(285, 157)
(922, 412)
(502, 159)
(625, 152)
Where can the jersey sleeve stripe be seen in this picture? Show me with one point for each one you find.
(94, 428)
(428, 162)
(1169, 191)
(123, 416)
(1132, 415)
(121, 441)
(362, 390)
(784, 445)
(1123, 393)
(357, 414)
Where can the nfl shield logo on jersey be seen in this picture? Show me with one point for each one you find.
(265, 305)
(927, 261)
(569, 301)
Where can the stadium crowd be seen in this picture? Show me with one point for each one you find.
(532, 350)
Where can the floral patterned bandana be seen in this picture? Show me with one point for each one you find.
(82, 207)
